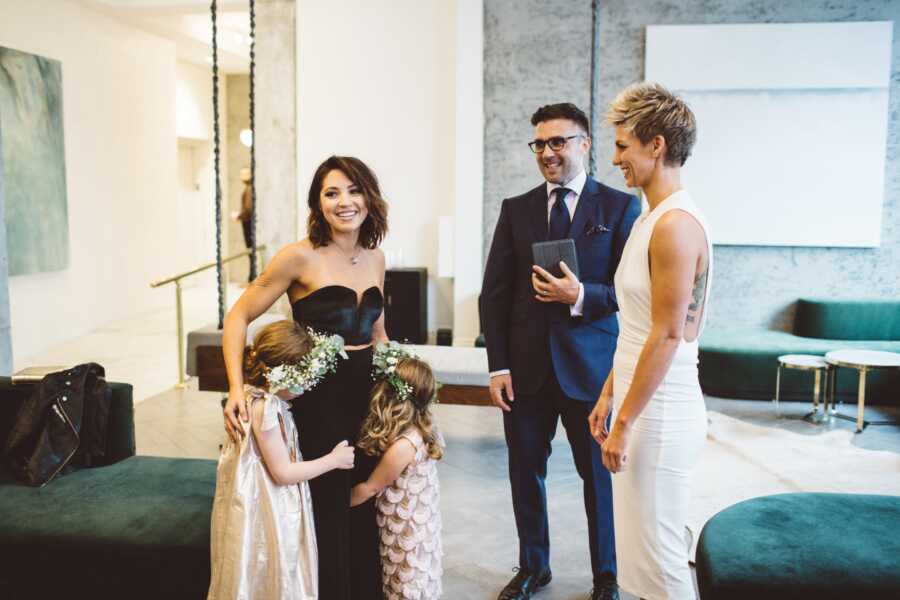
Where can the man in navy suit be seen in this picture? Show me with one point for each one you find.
(550, 340)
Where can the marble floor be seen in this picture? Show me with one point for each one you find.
(479, 530)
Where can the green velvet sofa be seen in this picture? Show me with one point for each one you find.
(798, 546)
(741, 362)
(137, 527)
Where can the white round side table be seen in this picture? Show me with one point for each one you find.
(804, 362)
(863, 361)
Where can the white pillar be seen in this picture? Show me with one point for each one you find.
(469, 170)
(276, 124)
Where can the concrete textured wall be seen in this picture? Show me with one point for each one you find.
(535, 52)
(753, 286)
(5, 328)
(758, 286)
(276, 124)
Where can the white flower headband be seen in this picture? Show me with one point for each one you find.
(384, 366)
(303, 376)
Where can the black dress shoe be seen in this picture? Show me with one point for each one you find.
(524, 584)
(608, 590)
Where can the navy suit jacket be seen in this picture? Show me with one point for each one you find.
(527, 336)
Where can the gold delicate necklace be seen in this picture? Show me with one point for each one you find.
(354, 257)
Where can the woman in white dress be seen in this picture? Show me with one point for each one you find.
(662, 282)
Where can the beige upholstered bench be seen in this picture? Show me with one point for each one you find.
(462, 372)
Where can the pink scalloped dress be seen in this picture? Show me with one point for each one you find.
(409, 519)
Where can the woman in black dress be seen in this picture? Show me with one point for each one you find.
(334, 280)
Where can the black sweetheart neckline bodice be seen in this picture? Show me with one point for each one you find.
(335, 309)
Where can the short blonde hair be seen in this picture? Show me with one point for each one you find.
(648, 109)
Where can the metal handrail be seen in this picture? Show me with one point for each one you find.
(179, 312)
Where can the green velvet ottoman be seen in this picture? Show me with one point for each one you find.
(820, 546)
(135, 528)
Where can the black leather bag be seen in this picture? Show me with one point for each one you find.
(62, 423)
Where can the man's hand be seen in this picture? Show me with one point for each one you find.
(553, 289)
(499, 384)
(233, 407)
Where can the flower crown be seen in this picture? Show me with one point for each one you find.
(384, 366)
(301, 377)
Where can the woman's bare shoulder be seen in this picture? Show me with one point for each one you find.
(296, 253)
(376, 255)
(675, 226)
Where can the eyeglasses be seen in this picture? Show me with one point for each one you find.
(556, 143)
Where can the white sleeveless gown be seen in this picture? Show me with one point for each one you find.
(650, 497)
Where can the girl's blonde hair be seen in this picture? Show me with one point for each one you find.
(390, 414)
(282, 342)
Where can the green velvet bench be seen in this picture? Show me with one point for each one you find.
(798, 546)
(741, 362)
(137, 527)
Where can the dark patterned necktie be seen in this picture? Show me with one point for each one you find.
(559, 216)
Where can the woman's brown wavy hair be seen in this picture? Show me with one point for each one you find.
(374, 228)
(390, 415)
(275, 344)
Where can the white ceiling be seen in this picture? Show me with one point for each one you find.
(188, 24)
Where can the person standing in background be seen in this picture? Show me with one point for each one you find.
(245, 215)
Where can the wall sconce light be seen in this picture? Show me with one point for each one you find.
(246, 137)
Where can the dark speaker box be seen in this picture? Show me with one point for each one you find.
(445, 337)
(405, 302)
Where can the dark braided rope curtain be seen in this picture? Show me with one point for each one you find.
(220, 283)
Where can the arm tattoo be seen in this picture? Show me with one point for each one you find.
(697, 295)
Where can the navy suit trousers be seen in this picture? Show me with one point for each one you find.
(530, 427)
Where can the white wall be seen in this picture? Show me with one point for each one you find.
(820, 89)
(469, 169)
(119, 116)
(195, 217)
(379, 79)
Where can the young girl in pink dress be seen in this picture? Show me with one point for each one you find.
(400, 430)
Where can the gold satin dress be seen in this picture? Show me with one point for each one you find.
(263, 540)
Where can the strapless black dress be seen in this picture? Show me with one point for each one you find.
(347, 539)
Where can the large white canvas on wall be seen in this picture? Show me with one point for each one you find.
(792, 127)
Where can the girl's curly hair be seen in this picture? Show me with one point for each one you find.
(390, 414)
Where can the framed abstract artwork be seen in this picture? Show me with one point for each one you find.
(33, 151)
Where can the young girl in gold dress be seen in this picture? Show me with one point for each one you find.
(400, 430)
(263, 539)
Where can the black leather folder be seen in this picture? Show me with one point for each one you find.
(548, 255)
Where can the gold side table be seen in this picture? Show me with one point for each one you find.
(805, 362)
(863, 361)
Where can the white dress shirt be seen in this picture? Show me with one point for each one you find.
(576, 184)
